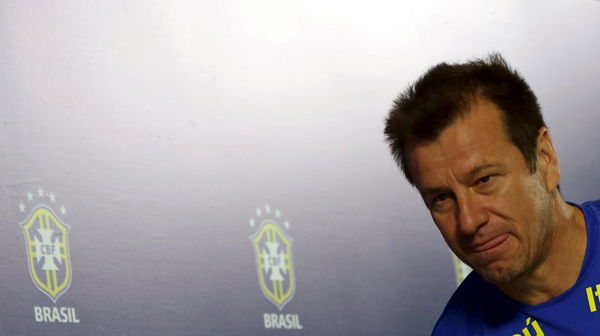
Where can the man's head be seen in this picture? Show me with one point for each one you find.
(471, 138)
(446, 91)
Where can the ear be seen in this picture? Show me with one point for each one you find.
(547, 160)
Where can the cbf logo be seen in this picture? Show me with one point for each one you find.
(274, 265)
(47, 245)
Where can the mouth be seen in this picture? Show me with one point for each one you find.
(490, 244)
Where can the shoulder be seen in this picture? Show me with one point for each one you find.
(463, 314)
(591, 212)
(591, 205)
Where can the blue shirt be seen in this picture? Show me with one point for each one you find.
(480, 308)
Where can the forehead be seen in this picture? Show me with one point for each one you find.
(475, 138)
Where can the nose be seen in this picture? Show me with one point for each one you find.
(471, 213)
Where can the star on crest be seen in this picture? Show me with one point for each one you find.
(42, 195)
(268, 210)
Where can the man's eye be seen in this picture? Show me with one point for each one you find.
(484, 179)
(440, 198)
(441, 202)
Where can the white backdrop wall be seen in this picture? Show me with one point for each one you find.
(161, 127)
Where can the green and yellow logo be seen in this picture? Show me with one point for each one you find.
(47, 245)
(536, 328)
(273, 254)
(461, 270)
(592, 295)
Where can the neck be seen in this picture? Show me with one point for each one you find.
(559, 269)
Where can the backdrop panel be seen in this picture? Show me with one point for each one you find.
(218, 168)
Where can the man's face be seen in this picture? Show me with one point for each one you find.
(492, 211)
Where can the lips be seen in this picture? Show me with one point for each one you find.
(490, 244)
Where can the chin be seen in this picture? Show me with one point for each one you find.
(499, 275)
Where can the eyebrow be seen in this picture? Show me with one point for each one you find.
(430, 191)
(470, 175)
(477, 170)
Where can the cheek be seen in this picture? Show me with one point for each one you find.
(519, 199)
(534, 207)
(534, 199)
(447, 228)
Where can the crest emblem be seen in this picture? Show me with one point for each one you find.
(273, 255)
(461, 269)
(47, 245)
